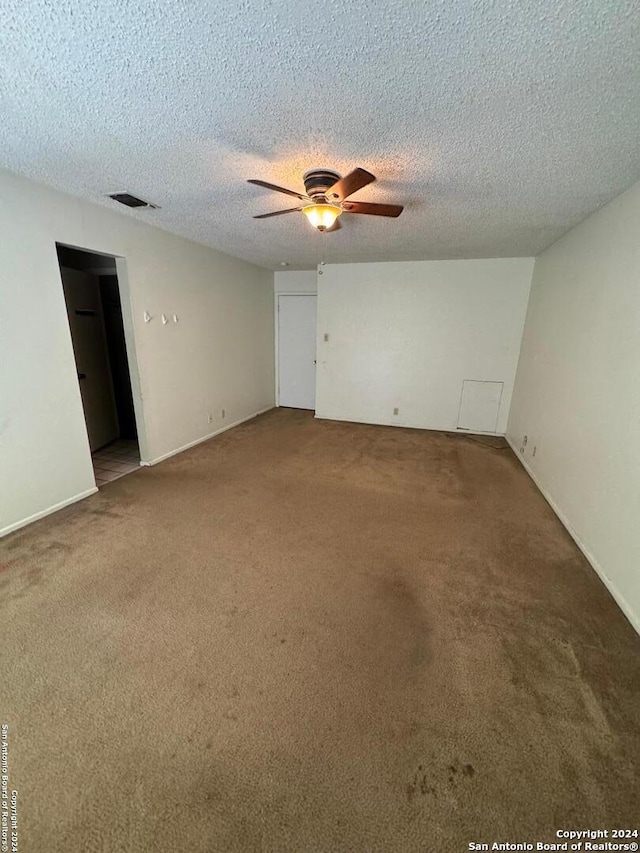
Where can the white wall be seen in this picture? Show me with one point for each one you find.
(577, 394)
(219, 354)
(406, 335)
(301, 281)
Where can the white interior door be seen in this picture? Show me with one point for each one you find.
(297, 351)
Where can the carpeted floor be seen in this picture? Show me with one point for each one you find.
(314, 636)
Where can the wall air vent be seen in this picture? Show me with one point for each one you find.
(131, 200)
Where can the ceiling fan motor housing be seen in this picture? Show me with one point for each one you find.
(318, 181)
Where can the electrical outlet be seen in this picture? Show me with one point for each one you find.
(396, 411)
(210, 417)
(525, 440)
(224, 413)
(326, 337)
(535, 450)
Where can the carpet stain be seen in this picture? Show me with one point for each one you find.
(106, 513)
(428, 783)
(420, 784)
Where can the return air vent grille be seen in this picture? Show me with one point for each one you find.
(131, 200)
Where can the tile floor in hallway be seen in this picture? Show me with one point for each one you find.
(115, 460)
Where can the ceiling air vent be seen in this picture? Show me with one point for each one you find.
(131, 200)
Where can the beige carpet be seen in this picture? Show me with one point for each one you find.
(314, 636)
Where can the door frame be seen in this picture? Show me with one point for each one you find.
(277, 335)
(124, 289)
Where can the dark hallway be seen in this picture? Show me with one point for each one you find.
(94, 310)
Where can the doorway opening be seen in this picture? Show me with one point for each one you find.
(94, 308)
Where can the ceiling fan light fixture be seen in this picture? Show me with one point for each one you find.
(322, 216)
(325, 197)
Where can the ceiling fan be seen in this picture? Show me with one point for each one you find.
(326, 197)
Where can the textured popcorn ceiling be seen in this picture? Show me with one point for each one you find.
(499, 124)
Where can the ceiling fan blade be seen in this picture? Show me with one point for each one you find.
(335, 227)
(372, 209)
(350, 184)
(277, 213)
(277, 189)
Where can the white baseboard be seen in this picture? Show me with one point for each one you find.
(458, 431)
(23, 522)
(620, 600)
(204, 438)
(38, 515)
